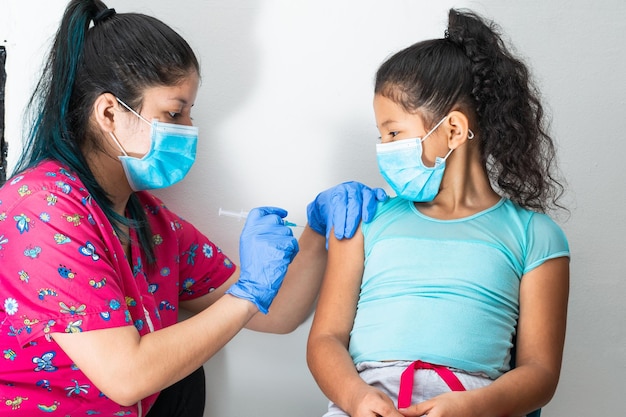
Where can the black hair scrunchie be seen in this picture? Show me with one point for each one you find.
(103, 15)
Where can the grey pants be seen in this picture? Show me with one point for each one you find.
(426, 383)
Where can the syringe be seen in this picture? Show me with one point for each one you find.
(243, 214)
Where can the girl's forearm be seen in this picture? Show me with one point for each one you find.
(333, 370)
(517, 393)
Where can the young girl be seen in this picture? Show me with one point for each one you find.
(420, 312)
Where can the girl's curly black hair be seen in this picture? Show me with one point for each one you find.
(472, 69)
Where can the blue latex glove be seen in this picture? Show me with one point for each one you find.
(266, 248)
(343, 207)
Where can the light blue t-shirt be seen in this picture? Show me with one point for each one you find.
(447, 291)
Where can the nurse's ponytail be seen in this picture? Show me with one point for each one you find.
(51, 132)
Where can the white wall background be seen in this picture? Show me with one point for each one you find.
(285, 111)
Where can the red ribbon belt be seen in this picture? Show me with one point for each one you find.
(406, 380)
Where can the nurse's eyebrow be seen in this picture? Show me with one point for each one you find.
(180, 100)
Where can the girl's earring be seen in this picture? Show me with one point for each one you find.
(470, 134)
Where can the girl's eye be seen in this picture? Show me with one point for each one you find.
(173, 114)
(389, 137)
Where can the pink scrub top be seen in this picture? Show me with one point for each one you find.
(62, 269)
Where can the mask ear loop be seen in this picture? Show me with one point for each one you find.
(132, 111)
(470, 136)
(447, 155)
(433, 129)
(117, 142)
(430, 132)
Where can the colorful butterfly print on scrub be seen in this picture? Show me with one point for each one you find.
(22, 222)
(89, 250)
(45, 362)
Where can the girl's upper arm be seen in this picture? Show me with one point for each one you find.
(339, 294)
(544, 293)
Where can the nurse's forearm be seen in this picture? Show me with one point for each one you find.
(296, 299)
(127, 367)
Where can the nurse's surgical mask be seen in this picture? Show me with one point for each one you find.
(171, 155)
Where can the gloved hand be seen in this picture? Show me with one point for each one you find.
(343, 207)
(266, 248)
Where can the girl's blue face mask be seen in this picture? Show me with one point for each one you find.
(171, 155)
(401, 165)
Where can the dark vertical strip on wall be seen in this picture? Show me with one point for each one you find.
(3, 145)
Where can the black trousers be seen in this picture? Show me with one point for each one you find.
(185, 398)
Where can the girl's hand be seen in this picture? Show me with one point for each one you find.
(450, 404)
(370, 402)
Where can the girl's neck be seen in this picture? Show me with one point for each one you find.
(465, 190)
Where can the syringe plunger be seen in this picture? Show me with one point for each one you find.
(229, 213)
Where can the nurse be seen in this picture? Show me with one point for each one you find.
(95, 268)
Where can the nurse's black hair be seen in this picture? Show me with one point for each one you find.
(96, 51)
(472, 69)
